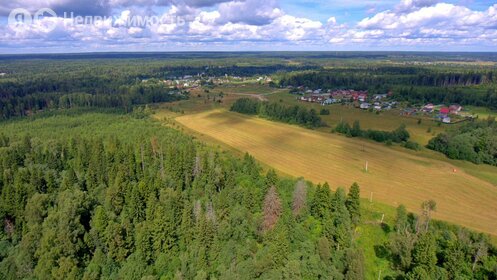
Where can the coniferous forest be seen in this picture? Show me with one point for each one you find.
(154, 203)
(93, 187)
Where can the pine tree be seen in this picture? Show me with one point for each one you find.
(271, 179)
(424, 253)
(321, 202)
(354, 260)
(354, 204)
(356, 129)
(341, 220)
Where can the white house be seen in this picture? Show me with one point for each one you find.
(365, 105)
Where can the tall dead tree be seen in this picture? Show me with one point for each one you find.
(272, 209)
(423, 222)
(299, 198)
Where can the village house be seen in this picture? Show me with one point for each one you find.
(455, 109)
(444, 111)
(409, 111)
(365, 106)
(380, 96)
(428, 108)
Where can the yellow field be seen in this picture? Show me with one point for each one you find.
(394, 176)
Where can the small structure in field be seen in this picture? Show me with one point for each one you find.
(380, 96)
(455, 109)
(365, 106)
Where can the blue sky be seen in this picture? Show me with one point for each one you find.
(217, 25)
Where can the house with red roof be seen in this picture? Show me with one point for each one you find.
(444, 111)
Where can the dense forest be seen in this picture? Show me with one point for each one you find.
(389, 75)
(413, 84)
(218, 71)
(278, 112)
(18, 100)
(31, 86)
(475, 141)
(447, 95)
(101, 208)
(156, 204)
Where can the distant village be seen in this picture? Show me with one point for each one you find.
(445, 114)
(191, 82)
(360, 98)
(381, 102)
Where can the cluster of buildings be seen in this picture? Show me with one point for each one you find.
(359, 97)
(194, 81)
(264, 80)
(185, 82)
(439, 112)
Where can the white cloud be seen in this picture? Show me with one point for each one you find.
(410, 23)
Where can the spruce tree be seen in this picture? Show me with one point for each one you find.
(354, 204)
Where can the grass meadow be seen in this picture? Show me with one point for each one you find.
(464, 194)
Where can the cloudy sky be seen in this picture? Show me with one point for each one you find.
(231, 25)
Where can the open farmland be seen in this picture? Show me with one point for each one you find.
(386, 120)
(393, 176)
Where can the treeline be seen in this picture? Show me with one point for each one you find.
(399, 135)
(234, 70)
(165, 208)
(278, 112)
(363, 78)
(475, 141)
(124, 96)
(479, 97)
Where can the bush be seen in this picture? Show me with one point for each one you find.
(324, 112)
(412, 145)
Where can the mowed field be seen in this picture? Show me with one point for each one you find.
(394, 176)
(386, 120)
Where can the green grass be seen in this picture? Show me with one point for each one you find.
(481, 112)
(387, 120)
(74, 123)
(372, 236)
